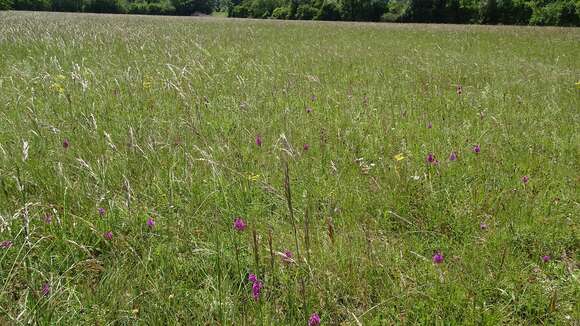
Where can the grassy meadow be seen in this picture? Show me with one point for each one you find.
(418, 174)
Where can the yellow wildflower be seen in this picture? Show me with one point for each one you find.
(253, 177)
(399, 157)
(147, 82)
(57, 87)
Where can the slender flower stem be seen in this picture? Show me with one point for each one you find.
(256, 251)
(237, 248)
(288, 193)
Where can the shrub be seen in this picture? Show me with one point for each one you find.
(329, 11)
(390, 17)
(106, 6)
(6, 4)
(151, 8)
(420, 11)
(513, 12)
(161, 8)
(562, 13)
(306, 12)
(363, 10)
(263, 8)
(395, 10)
(281, 13)
(39, 5)
(450, 11)
(139, 8)
(67, 5)
(189, 7)
(240, 11)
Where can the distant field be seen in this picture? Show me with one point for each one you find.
(433, 172)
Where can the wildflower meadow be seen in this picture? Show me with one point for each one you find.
(213, 171)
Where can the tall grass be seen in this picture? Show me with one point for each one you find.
(157, 118)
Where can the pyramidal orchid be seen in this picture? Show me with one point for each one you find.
(438, 257)
(314, 320)
(453, 157)
(239, 224)
(256, 286)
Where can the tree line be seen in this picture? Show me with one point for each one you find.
(508, 12)
(142, 7)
